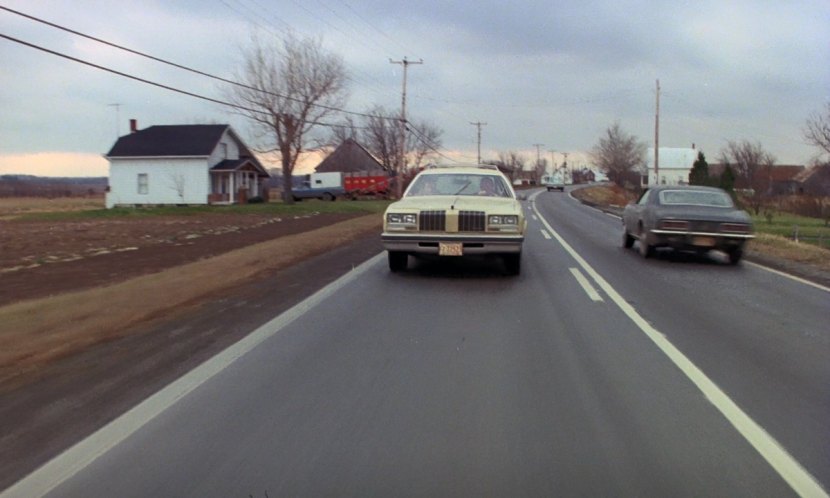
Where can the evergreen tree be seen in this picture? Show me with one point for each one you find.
(700, 171)
(727, 179)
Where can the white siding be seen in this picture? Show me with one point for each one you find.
(675, 165)
(169, 181)
(218, 154)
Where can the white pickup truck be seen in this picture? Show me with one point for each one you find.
(557, 180)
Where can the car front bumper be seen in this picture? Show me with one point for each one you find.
(472, 244)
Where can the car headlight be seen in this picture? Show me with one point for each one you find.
(405, 221)
(502, 219)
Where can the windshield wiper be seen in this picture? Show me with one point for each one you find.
(462, 188)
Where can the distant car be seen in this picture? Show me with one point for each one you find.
(556, 180)
(453, 212)
(686, 218)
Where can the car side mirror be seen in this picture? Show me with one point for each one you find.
(521, 197)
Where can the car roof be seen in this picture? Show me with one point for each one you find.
(703, 188)
(479, 170)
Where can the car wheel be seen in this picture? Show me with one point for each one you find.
(398, 261)
(735, 255)
(627, 239)
(513, 263)
(646, 249)
(328, 196)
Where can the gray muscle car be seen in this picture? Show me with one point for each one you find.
(686, 218)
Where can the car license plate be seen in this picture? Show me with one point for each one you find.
(450, 249)
(703, 241)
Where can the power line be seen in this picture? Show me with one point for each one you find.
(195, 95)
(163, 61)
(159, 85)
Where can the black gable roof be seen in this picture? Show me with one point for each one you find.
(169, 140)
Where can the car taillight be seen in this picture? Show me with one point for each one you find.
(674, 225)
(734, 227)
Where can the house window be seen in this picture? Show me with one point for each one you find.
(143, 186)
(224, 150)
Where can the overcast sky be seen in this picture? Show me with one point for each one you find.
(546, 72)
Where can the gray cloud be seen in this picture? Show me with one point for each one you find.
(536, 72)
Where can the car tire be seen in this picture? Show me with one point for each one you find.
(513, 263)
(735, 255)
(398, 261)
(646, 249)
(328, 196)
(627, 239)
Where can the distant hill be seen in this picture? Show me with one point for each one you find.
(47, 186)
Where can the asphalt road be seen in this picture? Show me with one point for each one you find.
(594, 373)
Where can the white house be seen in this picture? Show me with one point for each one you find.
(182, 164)
(674, 166)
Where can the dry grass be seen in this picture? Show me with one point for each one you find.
(12, 207)
(781, 247)
(33, 333)
(605, 195)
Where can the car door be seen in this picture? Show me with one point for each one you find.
(634, 213)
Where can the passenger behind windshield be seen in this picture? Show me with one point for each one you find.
(483, 185)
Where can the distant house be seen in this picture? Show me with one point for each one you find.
(673, 168)
(350, 157)
(782, 179)
(182, 164)
(814, 180)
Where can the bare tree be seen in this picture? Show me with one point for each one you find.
(380, 134)
(424, 140)
(540, 167)
(617, 154)
(753, 169)
(289, 87)
(177, 183)
(817, 132)
(347, 130)
(512, 161)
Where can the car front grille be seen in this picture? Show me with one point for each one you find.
(432, 221)
(471, 221)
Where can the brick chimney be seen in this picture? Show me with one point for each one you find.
(133, 125)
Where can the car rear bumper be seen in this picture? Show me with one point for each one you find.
(698, 240)
(472, 244)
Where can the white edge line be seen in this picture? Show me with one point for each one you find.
(64, 466)
(757, 265)
(799, 479)
(586, 286)
(788, 275)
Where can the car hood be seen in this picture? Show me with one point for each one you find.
(459, 203)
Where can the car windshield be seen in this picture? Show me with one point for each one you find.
(459, 184)
(695, 198)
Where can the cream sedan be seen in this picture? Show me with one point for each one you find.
(453, 212)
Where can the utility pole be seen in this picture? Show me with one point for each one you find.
(402, 160)
(479, 124)
(117, 119)
(657, 138)
(552, 160)
(538, 159)
(538, 153)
